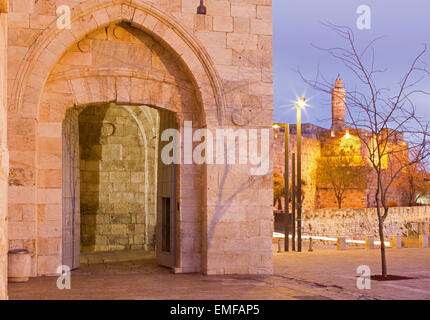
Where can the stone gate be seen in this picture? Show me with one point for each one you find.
(157, 64)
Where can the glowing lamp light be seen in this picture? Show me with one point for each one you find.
(301, 103)
(347, 135)
(276, 128)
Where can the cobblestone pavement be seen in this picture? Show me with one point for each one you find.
(322, 274)
(330, 267)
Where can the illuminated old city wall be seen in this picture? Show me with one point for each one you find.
(316, 141)
(310, 153)
(317, 196)
(4, 156)
(357, 223)
(213, 69)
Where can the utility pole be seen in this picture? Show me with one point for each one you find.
(287, 187)
(300, 105)
(293, 199)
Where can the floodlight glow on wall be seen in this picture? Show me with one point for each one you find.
(276, 128)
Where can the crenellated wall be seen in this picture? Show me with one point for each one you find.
(311, 149)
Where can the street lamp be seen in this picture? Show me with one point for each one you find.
(301, 103)
(287, 187)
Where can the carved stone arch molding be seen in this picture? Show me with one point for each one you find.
(91, 15)
(120, 85)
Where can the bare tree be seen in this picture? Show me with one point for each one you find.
(381, 120)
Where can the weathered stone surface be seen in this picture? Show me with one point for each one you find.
(357, 223)
(4, 155)
(168, 58)
(112, 206)
(315, 140)
(311, 150)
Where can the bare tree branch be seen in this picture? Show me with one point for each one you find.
(382, 121)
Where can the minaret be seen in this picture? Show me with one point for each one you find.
(338, 104)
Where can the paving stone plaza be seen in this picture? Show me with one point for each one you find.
(323, 274)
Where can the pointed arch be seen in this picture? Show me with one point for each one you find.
(89, 16)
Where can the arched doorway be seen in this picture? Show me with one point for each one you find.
(117, 193)
(122, 65)
(135, 53)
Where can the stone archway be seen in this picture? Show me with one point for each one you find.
(220, 231)
(35, 75)
(87, 17)
(77, 79)
(109, 170)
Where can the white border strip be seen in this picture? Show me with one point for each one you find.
(282, 236)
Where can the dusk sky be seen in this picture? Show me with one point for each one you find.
(405, 26)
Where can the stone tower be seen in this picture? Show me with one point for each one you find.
(338, 106)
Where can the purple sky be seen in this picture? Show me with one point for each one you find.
(405, 26)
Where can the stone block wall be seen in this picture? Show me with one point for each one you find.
(4, 155)
(316, 196)
(113, 169)
(354, 198)
(311, 149)
(237, 225)
(226, 57)
(357, 223)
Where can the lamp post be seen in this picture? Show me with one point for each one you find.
(300, 104)
(287, 186)
(293, 204)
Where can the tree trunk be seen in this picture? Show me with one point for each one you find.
(339, 200)
(381, 227)
(381, 237)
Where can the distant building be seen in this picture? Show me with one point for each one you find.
(314, 140)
